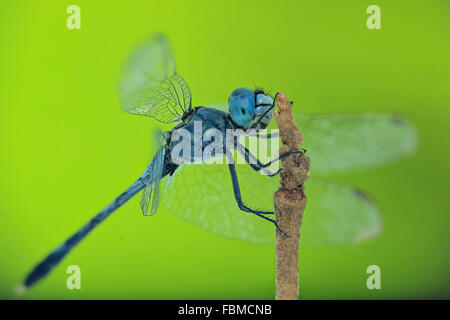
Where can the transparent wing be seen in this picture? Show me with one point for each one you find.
(342, 142)
(203, 195)
(150, 197)
(150, 85)
(168, 101)
(338, 214)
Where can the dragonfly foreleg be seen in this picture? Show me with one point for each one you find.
(240, 203)
(250, 158)
(263, 136)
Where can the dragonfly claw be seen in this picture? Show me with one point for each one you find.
(284, 234)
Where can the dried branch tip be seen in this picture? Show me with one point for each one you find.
(289, 202)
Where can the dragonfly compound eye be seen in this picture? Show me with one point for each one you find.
(242, 106)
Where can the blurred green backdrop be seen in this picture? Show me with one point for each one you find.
(67, 149)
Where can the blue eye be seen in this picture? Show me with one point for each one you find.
(242, 106)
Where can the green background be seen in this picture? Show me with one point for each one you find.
(67, 149)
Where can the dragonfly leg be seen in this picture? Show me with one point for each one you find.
(284, 155)
(240, 203)
(259, 165)
(264, 136)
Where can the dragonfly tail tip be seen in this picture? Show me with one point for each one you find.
(20, 289)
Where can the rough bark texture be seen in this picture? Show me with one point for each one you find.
(289, 202)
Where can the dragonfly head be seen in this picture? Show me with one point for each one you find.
(250, 108)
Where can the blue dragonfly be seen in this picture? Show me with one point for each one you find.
(336, 214)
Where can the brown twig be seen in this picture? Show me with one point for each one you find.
(289, 202)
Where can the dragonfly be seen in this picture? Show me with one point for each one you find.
(228, 199)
